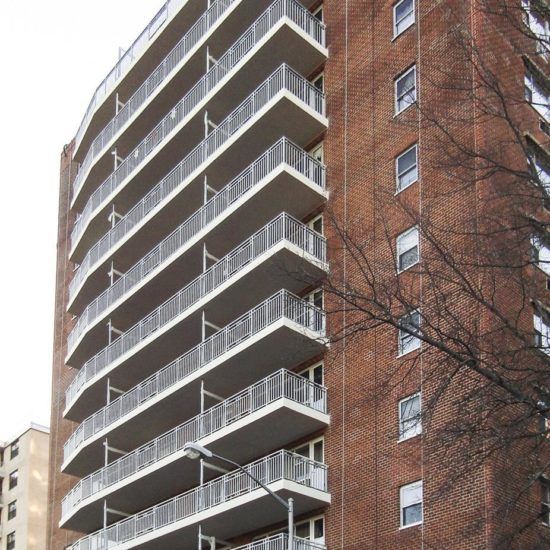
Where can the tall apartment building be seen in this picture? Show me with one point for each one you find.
(201, 210)
(24, 471)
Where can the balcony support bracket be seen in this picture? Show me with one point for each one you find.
(207, 256)
(208, 189)
(114, 217)
(107, 511)
(117, 159)
(205, 393)
(118, 103)
(211, 541)
(208, 324)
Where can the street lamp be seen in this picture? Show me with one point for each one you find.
(194, 451)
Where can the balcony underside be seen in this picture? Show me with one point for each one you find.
(259, 206)
(285, 43)
(243, 441)
(169, 35)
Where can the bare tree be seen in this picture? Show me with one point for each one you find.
(476, 299)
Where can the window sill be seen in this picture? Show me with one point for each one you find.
(405, 109)
(396, 36)
(411, 525)
(406, 187)
(399, 271)
(403, 439)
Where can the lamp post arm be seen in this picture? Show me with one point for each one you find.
(267, 489)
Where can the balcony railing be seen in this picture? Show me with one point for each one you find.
(279, 466)
(282, 384)
(126, 61)
(309, 94)
(283, 152)
(280, 542)
(284, 227)
(157, 77)
(282, 305)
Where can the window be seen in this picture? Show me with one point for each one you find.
(545, 500)
(14, 449)
(542, 334)
(12, 509)
(316, 224)
(314, 450)
(411, 504)
(314, 374)
(409, 342)
(318, 13)
(408, 250)
(410, 420)
(406, 168)
(403, 16)
(319, 82)
(538, 25)
(13, 479)
(315, 298)
(318, 153)
(540, 254)
(536, 94)
(10, 541)
(311, 529)
(405, 90)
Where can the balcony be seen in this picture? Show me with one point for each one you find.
(282, 322)
(286, 32)
(211, 35)
(137, 58)
(285, 404)
(227, 506)
(284, 253)
(261, 190)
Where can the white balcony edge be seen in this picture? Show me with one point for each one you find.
(282, 21)
(248, 195)
(91, 111)
(278, 404)
(283, 321)
(138, 112)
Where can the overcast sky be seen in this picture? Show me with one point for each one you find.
(53, 56)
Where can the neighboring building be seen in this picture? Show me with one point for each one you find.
(24, 490)
(192, 247)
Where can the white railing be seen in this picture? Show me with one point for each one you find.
(126, 61)
(310, 95)
(279, 466)
(282, 152)
(153, 82)
(282, 305)
(283, 227)
(280, 385)
(280, 542)
(180, 238)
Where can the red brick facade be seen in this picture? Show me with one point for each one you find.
(363, 373)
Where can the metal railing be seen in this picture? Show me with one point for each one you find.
(126, 61)
(310, 95)
(280, 385)
(282, 305)
(282, 152)
(191, 38)
(279, 466)
(284, 227)
(280, 542)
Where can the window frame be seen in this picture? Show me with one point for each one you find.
(311, 370)
(397, 175)
(399, 253)
(418, 345)
(320, 76)
(542, 334)
(319, 9)
(311, 444)
(10, 540)
(402, 508)
(14, 449)
(417, 428)
(397, 33)
(399, 77)
(11, 484)
(12, 509)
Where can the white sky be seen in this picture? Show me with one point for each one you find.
(53, 55)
